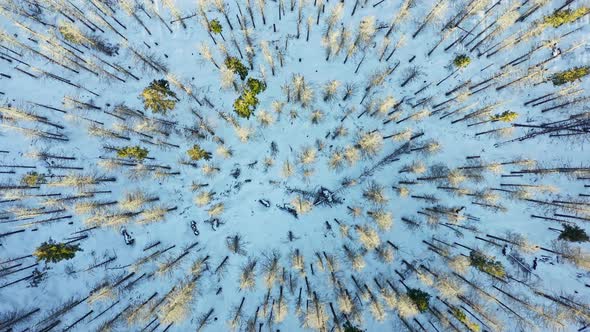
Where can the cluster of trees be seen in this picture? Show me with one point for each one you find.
(366, 242)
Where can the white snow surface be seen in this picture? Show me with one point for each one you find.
(266, 229)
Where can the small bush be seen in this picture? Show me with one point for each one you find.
(419, 298)
(32, 179)
(134, 152)
(215, 26)
(486, 264)
(506, 116)
(54, 252)
(198, 153)
(461, 61)
(155, 97)
(573, 233)
(570, 75)
(561, 17)
(234, 64)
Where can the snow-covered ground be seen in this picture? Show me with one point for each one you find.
(283, 155)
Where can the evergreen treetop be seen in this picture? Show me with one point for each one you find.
(215, 26)
(561, 17)
(246, 104)
(198, 153)
(155, 97)
(485, 264)
(255, 85)
(420, 298)
(32, 179)
(134, 152)
(573, 233)
(348, 327)
(54, 252)
(570, 75)
(461, 61)
(237, 67)
(506, 116)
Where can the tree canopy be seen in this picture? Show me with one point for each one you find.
(54, 252)
(158, 97)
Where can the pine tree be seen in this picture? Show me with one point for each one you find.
(558, 18)
(419, 298)
(506, 116)
(246, 104)
(255, 85)
(570, 75)
(32, 179)
(236, 67)
(134, 152)
(53, 252)
(216, 27)
(198, 153)
(155, 97)
(461, 61)
(573, 233)
(350, 328)
(485, 264)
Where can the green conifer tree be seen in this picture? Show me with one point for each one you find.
(419, 298)
(461, 61)
(506, 116)
(570, 75)
(133, 152)
(234, 64)
(54, 252)
(158, 97)
(32, 179)
(561, 17)
(348, 327)
(486, 264)
(215, 27)
(573, 233)
(198, 153)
